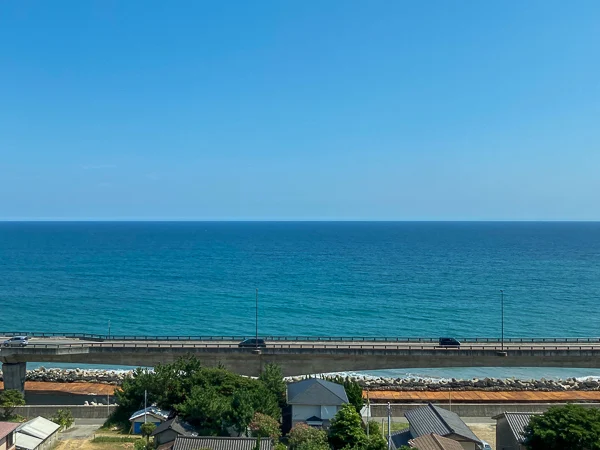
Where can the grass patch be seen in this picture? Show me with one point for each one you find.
(113, 439)
(396, 426)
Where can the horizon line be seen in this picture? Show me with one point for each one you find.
(167, 220)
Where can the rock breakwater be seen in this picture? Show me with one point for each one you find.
(475, 384)
(116, 377)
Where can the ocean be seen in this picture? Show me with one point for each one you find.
(406, 279)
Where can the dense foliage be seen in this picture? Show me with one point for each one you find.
(147, 429)
(346, 428)
(211, 399)
(347, 431)
(265, 426)
(64, 418)
(353, 390)
(9, 400)
(569, 427)
(272, 378)
(304, 437)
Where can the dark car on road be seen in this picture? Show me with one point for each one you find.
(449, 342)
(252, 343)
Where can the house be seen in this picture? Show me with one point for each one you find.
(509, 430)
(169, 430)
(432, 419)
(217, 443)
(313, 401)
(7, 435)
(37, 434)
(150, 414)
(434, 442)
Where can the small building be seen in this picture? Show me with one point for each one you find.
(150, 414)
(510, 427)
(37, 434)
(7, 435)
(217, 443)
(169, 430)
(430, 419)
(434, 442)
(313, 401)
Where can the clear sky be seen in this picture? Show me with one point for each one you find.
(336, 109)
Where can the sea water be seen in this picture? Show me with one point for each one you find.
(399, 279)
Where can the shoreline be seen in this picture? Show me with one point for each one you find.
(370, 383)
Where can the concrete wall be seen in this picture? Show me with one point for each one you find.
(78, 411)
(299, 361)
(469, 409)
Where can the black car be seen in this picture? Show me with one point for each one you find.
(252, 343)
(449, 342)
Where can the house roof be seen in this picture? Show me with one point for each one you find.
(26, 442)
(434, 442)
(6, 428)
(220, 443)
(517, 421)
(151, 410)
(400, 438)
(315, 391)
(175, 424)
(39, 427)
(314, 419)
(433, 419)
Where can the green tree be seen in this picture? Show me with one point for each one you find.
(346, 429)
(353, 390)
(147, 429)
(265, 426)
(140, 444)
(206, 409)
(9, 400)
(211, 398)
(569, 427)
(304, 437)
(272, 378)
(64, 418)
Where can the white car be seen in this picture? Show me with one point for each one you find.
(485, 446)
(16, 341)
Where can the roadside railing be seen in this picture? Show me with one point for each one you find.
(399, 339)
(310, 346)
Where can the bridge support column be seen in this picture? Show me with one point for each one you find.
(14, 376)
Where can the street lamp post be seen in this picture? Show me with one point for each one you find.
(502, 307)
(109, 329)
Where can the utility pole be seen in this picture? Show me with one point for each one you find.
(502, 306)
(389, 433)
(145, 403)
(368, 412)
(109, 328)
(256, 342)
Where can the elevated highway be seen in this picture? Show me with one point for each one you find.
(298, 355)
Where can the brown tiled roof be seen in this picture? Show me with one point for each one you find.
(220, 443)
(6, 428)
(434, 442)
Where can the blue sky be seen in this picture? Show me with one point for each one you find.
(368, 110)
